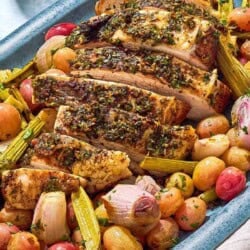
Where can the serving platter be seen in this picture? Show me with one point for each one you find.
(20, 46)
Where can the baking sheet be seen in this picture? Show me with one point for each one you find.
(20, 46)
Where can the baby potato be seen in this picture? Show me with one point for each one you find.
(191, 214)
(183, 182)
(163, 235)
(169, 201)
(23, 240)
(213, 146)
(18, 217)
(77, 237)
(206, 172)
(6, 230)
(240, 17)
(217, 124)
(62, 58)
(120, 238)
(233, 137)
(102, 217)
(10, 121)
(237, 157)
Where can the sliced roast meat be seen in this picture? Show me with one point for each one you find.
(157, 72)
(100, 167)
(63, 90)
(128, 132)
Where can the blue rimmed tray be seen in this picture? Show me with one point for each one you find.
(20, 46)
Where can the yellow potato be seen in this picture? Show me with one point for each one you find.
(10, 121)
(183, 182)
(169, 201)
(23, 240)
(62, 58)
(163, 235)
(232, 135)
(102, 217)
(120, 238)
(237, 157)
(206, 172)
(213, 125)
(191, 214)
(213, 146)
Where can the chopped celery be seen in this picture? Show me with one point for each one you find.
(242, 35)
(14, 102)
(87, 220)
(168, 165)
(209, 195)
(17, 75)
(17, 147)
(237, 77)
(4, 75)
(245, 3)
(224, 8)
(15, 92)
(4, 94)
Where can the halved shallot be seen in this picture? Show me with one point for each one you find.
(132, 207)
(49, 222)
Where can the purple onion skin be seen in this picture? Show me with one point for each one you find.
(146, 206)
(241, 119)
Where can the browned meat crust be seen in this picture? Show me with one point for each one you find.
(178, 31)
(160, 73)
(22, 187)
(56, 91)
(101, 168)
(137, 136)
(104, 6)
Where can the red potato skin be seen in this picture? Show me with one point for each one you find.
(230, 183)
(64, 245)
(5, 234)
(23, 240)
(191, 214)
(241, 17)
(60, 29)
(245, 50)
(26, 91)
(243, 60)
(71, 218)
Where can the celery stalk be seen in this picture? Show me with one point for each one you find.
(87, 220)
(245, 3)
(18, 75)
(14, 102)
(209, 195)
(17, 147)
(224, 8)
(15, 92)
(4, 94)
(168, 165)
(237, 77)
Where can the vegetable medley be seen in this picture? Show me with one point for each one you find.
(85, 164)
